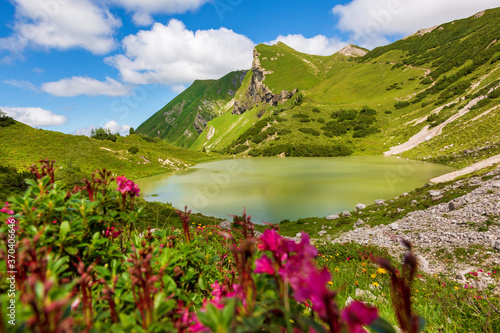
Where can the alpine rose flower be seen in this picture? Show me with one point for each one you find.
(358, 314)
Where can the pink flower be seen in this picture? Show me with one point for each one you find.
(7, 209)
(358, 314)
(198, 327)
(264, 265)
(127, 186)
(270, 240)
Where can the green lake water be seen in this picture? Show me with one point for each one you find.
(273, 189)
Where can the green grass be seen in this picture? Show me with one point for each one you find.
(204, 99)
(390, 76)
(445, 305)
(77, 156)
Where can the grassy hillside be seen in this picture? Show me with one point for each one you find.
(445, 79)
(182, 120)
(77, 156)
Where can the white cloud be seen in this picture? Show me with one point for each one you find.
(21, 84)
(78, 85)
(112, 125)
(318, 45)
(143, 9)
(63, 25)
(35, 116)
(371, 21)
(115, 128)
(173, 55)
(178, 88)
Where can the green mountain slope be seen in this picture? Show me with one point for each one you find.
(79, 156)
(185, 117)
(433, 95)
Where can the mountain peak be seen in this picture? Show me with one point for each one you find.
(353, 51)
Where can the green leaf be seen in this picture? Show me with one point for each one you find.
(71, 250)
(380, 325)
(64, 229)
(202, 282)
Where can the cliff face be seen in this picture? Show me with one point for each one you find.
(258, 92)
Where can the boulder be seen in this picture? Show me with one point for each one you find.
(496, 246)
(434, 193)
(394, 226)
(359, 222)
(332, 217)
(226, 225)
(360, 206)
(346, 214)
(454, 205)
(380, 202)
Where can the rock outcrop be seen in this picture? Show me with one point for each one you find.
(258, 92)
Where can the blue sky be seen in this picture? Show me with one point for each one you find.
(74, 65)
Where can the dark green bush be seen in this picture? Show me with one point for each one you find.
(5, 120)
(103, 134)
(133, 150)
(308, 130)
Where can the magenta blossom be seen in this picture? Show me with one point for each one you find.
(127, 186)
(264, 265)
(7, 209)
(358, 314)
(112, 232)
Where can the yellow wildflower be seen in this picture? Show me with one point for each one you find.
(336, 269)
(373, 276)
(375, 284)
(381, 271)
(363, 264)
(456, 288)
(330, 283)
(356, 283)
(364, 270)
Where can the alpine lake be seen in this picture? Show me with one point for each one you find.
(272, 189)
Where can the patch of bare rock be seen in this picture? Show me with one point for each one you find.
(444, 235)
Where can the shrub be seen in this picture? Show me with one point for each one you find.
(494, 94)
(271, 130)
(426, 80)
(401, 104)
(103, 134)
(308, 130)
(239, 149)
(335, 128)
(259, 137)
(133, 150)
(284, 131)
(316, 110)
(5, 120)
(148, 139)
(365, 132)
